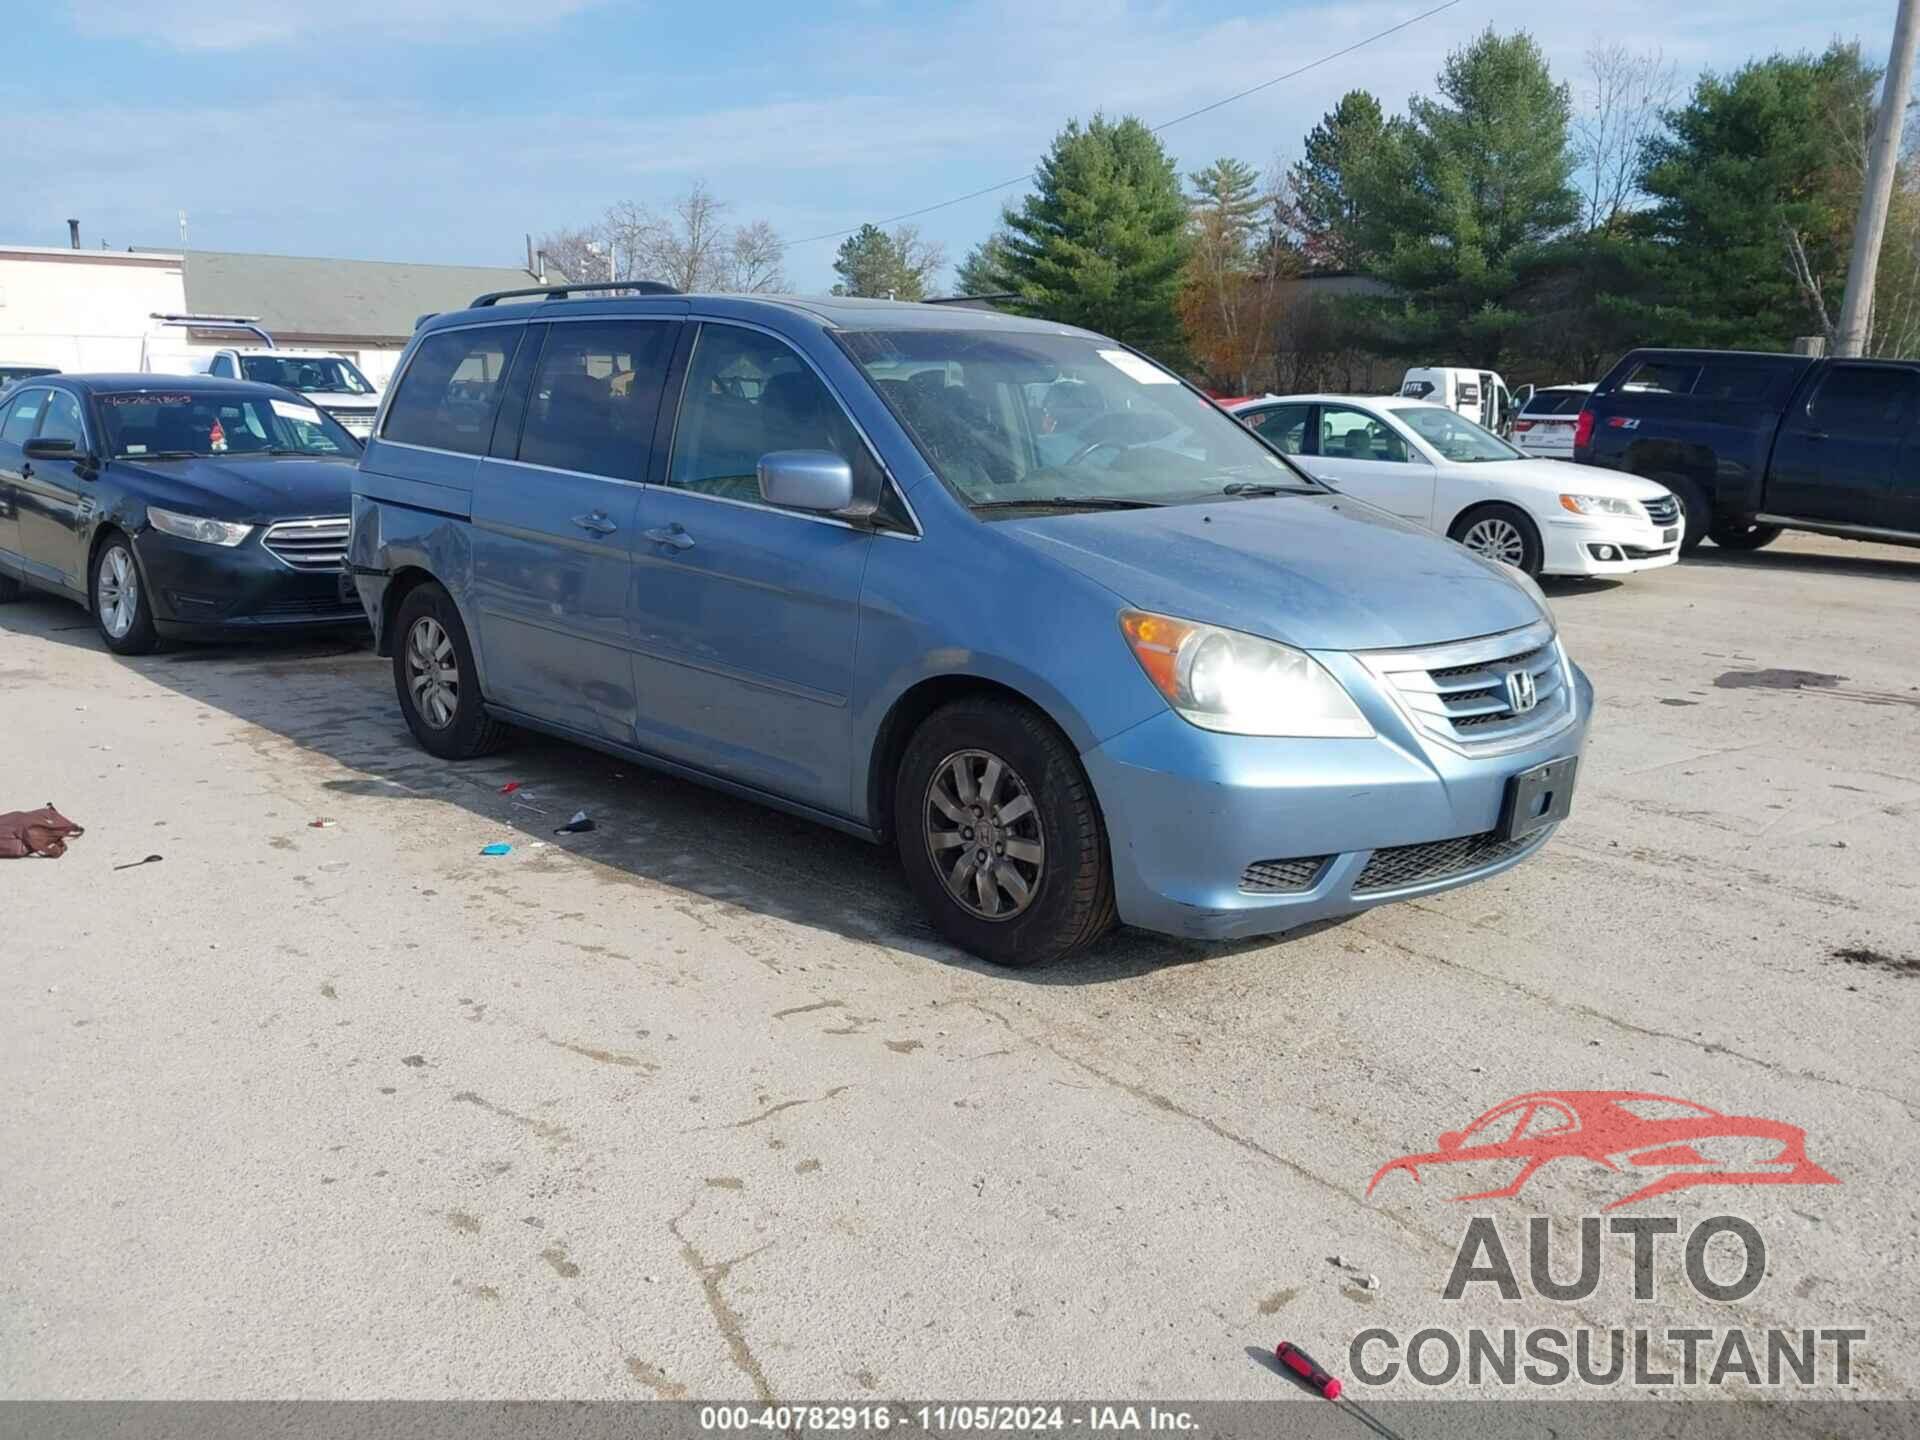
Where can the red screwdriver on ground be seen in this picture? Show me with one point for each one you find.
(1317, 1378)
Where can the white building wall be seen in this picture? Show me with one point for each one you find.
(83, 309)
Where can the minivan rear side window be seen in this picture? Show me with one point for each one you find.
(448, 395)
(595, 394)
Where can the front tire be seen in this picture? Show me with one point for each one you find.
(118, 599)
(435, 679)
(999, 834)
(1501, 532)
(1739, 535)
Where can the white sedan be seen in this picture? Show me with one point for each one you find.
(1438, 469)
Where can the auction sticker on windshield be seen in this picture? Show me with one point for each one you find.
(289, 410)
(1134, 368)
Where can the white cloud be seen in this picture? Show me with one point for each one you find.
(247, 24)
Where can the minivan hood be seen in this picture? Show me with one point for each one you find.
(1317, 572)
(260, 490)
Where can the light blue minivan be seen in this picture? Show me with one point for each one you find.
(1005, 593)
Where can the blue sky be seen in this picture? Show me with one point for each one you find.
(444, 130)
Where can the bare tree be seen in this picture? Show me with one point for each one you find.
(689, 246)
(1625, 94)
(576, 253)
(754, 261)
(920, 258)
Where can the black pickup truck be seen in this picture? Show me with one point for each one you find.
(1754, 444)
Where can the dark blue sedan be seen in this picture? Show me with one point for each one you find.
(176, 506)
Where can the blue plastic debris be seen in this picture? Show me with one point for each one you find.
(498, 848)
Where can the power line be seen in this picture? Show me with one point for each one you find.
(1154, 129)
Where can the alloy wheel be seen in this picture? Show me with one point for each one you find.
(983, 834)
(1497, 539)
(118, 597)
(433, 672)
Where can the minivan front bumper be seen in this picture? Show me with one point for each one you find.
(1226, 836)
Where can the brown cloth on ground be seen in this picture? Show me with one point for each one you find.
(43, 832)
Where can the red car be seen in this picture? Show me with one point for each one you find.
(1628, 1132)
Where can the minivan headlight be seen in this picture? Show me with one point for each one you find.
(225, 533)
(1599, 505)
(1240, 684)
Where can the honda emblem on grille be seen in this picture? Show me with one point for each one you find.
(1521, 696)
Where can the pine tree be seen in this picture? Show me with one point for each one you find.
(1102, 239)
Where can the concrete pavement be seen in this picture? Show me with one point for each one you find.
(696, 1105)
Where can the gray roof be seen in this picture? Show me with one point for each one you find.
(340, 299)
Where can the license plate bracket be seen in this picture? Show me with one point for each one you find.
(1538, 798)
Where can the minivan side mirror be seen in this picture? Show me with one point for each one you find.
(815, 480)
(51, 449)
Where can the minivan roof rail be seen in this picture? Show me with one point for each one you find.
(562, 292)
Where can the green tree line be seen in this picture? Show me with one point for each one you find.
(1506, 218)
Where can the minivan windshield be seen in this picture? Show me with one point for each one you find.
(1454, 436)
(309, 374)
(184, 425)
(1008, 418)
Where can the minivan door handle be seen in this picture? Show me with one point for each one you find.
(672, 536)
(597, 522)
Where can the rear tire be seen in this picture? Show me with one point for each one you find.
(1501, 532)
(117, 597)
(1695, 511)
(989, 786)
(1737, 535)
(435, 679)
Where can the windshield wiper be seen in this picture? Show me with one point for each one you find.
(1254, 489)
(1069, 502)
(163, 455)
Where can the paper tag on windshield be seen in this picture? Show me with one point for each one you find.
(1134, 368)
(287, 410)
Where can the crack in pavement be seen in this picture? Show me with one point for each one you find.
(545, 1129)
(1710, 1047)
(1213, 1127)
(772, 1110)
(725, 1318)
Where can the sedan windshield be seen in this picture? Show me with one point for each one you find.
(1009, 419)
(322, 375)
(1454, 436)
(173, 425)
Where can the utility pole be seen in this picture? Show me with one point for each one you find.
(1856, 310)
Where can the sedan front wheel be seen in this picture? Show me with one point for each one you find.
(120, 606)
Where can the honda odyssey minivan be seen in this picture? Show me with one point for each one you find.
(1005, 594)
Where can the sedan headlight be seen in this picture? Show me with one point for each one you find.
(225, 533)
(1243, 685)
(1600, 505)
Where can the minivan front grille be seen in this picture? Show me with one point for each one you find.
(1664, 511)
(310, 545)
(1398, 866)
(1473, 694)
